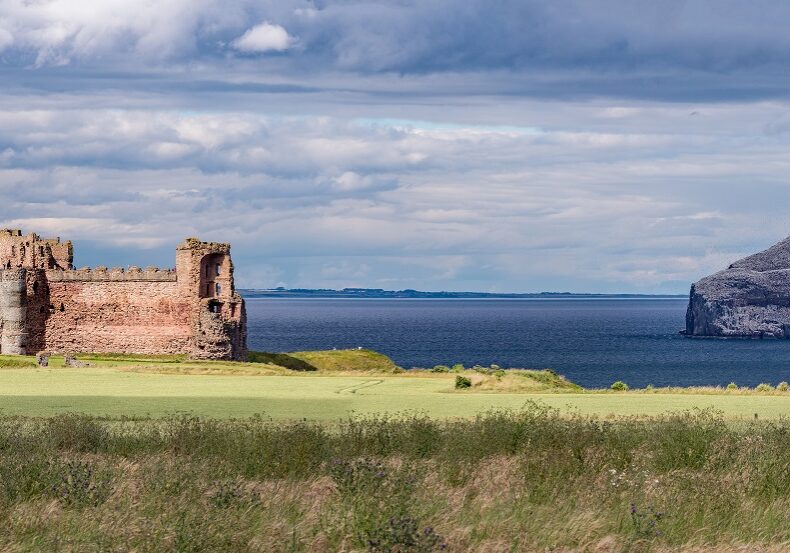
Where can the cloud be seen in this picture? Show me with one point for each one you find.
(515, 145)
(61, 32)
(6, 39)
(673, 50)
(264, 37)
(422, 205)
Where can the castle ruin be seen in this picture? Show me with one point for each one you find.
(48, 305)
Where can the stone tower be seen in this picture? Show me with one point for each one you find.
(205, 272)
(12, 311)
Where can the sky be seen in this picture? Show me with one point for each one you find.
(480, 145)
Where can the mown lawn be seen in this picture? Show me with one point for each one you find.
(113, 390)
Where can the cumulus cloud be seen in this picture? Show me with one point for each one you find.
(6, 39)
(59, 32)
(264, 37)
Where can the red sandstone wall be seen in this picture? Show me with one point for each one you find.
(106, 316)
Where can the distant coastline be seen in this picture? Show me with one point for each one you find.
(378, 293)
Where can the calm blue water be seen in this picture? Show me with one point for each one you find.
(592, 342)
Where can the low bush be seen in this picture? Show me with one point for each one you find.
(440, 369)
(462, 382)
(229, 493)
(732, 386)
(782, 386)
(77, 483)
(619, 386)
(764, 387)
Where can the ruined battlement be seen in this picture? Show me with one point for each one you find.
(32, 251)
(115, 274)
(46, 304)
(195, 244)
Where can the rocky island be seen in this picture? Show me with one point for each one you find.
(751, 298)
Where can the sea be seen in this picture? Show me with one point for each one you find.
(593, 342)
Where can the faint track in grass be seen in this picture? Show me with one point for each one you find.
(361, 386)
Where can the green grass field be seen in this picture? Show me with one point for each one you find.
(520, 477)
(111, 389)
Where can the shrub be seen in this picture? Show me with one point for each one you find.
(620, 386)
(461, 382)
(732, 386)
(763, 387)
(458, 367)
(78, 484)
(649, 388)
(440, 369)
(227, 494)
(782, 386)
(403, 534)
(380, 499)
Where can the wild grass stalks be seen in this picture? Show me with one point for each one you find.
(526, 480)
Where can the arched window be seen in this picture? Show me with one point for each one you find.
(218, 288)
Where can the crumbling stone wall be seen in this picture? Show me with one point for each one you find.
(205, 270)
(193, 310)
(117, 316)
(32, 251)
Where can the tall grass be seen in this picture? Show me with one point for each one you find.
(526, 480)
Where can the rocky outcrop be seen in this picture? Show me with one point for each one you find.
(751, 298)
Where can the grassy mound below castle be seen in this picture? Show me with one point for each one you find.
(344, 360)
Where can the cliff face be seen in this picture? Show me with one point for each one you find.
(750, 298)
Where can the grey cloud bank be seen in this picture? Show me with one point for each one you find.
(496, 146)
